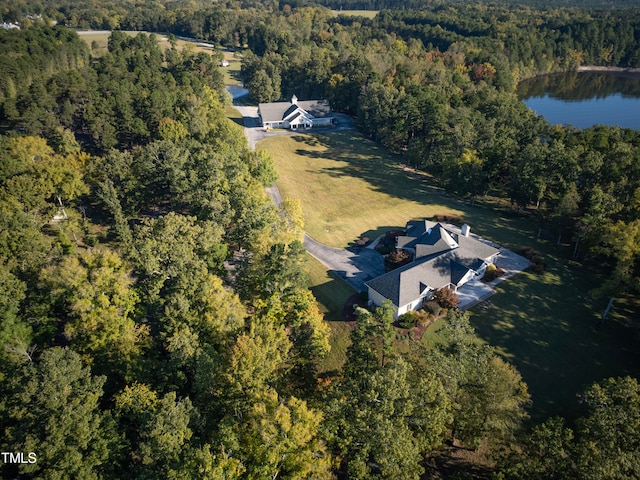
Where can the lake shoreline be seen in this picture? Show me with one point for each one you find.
(596, 68)
(587, 98)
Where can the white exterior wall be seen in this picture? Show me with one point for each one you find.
(468, 276)
(318, 122)
(376, 299)
(415, 305)
(482, 269)
(276, 124)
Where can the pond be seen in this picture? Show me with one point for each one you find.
(584, 99)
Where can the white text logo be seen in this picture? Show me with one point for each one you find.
(18, 457)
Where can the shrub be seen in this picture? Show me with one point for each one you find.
(535, 257)
(422, 318)
(446, 298)
(384, 249)
(492, 272)
(447, 218)
(431, 307)
(413, 318)
(407, 320)
(391, 236)
(396, 259)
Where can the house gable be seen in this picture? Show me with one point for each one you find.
(443, 258)
(308, 113)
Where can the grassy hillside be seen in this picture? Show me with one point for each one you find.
(544, 324)
(349, 187)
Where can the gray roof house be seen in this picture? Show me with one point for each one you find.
(296, 114)
(442, 259)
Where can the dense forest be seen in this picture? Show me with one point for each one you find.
(153, 317)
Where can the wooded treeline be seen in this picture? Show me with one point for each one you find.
(449, 108)
(154, 320)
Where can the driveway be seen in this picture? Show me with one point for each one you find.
(355, 265)
(358, 265)
(255, 132)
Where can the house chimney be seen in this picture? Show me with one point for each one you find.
(294, 100)
(466, 230)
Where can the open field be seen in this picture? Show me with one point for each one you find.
(231, 74)
(356, 13)
(544, 324)
(348, 186)
(101, 37)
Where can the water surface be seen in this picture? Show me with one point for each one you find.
(584, 99)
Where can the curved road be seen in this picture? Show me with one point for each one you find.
(355, 265)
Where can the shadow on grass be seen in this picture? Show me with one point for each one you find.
(237, 120)
(544, 324)
(363, 159)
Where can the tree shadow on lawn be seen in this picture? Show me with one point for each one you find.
(383, 171)
(548, 331)
(544, 324)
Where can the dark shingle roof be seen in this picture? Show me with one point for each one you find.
(277, 111)
(317, 108)
(442, 258)
(273, 112)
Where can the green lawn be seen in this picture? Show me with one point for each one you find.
(356, 13)
(339, 341)
(546, 325)
(231, 74)
(348, 186)
(330, 291)
(543, 324)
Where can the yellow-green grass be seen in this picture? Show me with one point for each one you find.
(231, 74)
(330, 291)
(339, 339)
(101, 38)
(348, 186)
(356, 13)
(544, 324)
(235, 116)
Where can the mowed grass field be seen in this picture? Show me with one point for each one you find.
(331, 293)
(356, 13)
(348, 186)
(231, 74)
(546, 325)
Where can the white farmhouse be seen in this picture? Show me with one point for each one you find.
(442, 259)
(296, 114)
